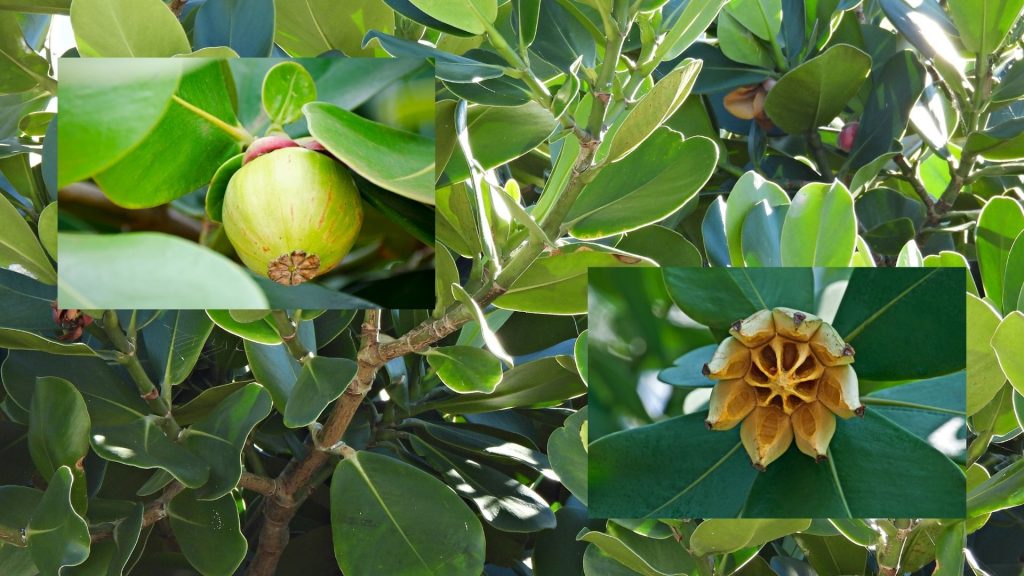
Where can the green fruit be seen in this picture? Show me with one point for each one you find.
(292, 214)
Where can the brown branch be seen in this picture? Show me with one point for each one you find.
(154, 512)
(87, 200)
(294, 480)
(260, 484)
(907, 171)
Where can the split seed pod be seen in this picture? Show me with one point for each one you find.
(291, 213)
(784, 374)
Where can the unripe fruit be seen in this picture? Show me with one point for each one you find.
(847, 135)
(291, 213)
(784, 373)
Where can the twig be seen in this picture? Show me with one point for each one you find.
(820, 156)
(260, 484)
(907, 172)
(290, 336)
(154, 512)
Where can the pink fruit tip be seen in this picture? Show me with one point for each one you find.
(266, 145)
(848, 135)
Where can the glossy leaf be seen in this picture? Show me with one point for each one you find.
(58, 433)
(473, 16)
(748, 191)
(663, 245)
(1013, 277)
(208, 532)
(762, 235)
(984, 375)
(465, 369)
(740, 44)
(642, 555)
(321, 382)
(186, 275)
(983, 24)
(813, 93)
(259, 331)
(1001, 221)
(392, 159)
(684, 22)
(832, 554)
(499, 134)
(313, 27)
(567, 450)
(432, 533)
(287, 87)
(895, 90)
(57, 535)
(1007, 341)
(718, 536)
(146, 29)
(820, 227)
(541, 382)
(110, 557)
(557, 283)
(503, 502)
(246, 26)
(949, 259)
(174, 342)
(653, 109)
(275, 368)
(903, 304)
(718, 297)
(687, 369)
(219, 437)
(22, 67)
(646, 187)
(1003, 490)
(19, 245)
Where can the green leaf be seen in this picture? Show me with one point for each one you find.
(473, 16)
(642, 555)
(762, 17)
(556, 283)
(762, 235)
(556, 551)
(110, 557)
(47, 227)
(398, 161)
(274, 367)
(950, 259)
(433, 533)
(1001, 221)
(949, 550)
(895, 89)
(321, 382)
(567, 451)
(684, 22)
(983, 24)
(503, 502)
(174, 341)
(19, 245)
(99, 272)
(219, 437)
(528, 15)
(687, 369)
(718, 536)
(312, 27)
(123, 430)
(465, 369)
(259, 331)
(1005, 489)
(984, 375)
(910, 256)
(127, 28)
(813, 93)
(922, 308)
(855, 530)
(717, 297)
(1007, 341)
(200, 407)
(190, 146)
(475, 444)
(820, 227)
(499, 134)
(208, 532)
(58, 433)
(488, 335)
(88, 147)
(57, 536)
(287, 87)
(22, 68)
(832, 554)
(748, 191)
(219, 186)
(654, 108)
(646, 187)
(543, 382)
(663, 245)
(740, 45)
(579, 354)
(1013, 278)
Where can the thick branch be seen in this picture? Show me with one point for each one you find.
(256, 483)
(908, 175)
(293, 483)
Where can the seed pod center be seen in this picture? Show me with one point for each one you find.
(294, 268)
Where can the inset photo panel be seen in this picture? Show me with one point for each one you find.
(246, 183)
(777, 393)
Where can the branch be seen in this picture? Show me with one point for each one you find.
(127, 357)
(294, 482)
(820, 156)
(289, 334)
(260, 484)
(908, 175)
(154, 512)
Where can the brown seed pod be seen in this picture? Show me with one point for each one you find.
(766, 434)
(813, 427)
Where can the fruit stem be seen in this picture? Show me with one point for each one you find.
(237, 132)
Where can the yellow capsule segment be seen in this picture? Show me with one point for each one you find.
(829, 348)
(794, 324)
(755, 329)
(813, 427)
(838, 390)
(766, 434)
(731, 360)
(731, 402)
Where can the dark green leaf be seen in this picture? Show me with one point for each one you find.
(567, 450)
(208, 532)
(542, 382)
(321, 381)
(465, 369)
(57, 536)
(813, 93)
(58, 433)
(762, 235)
(174, 341)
